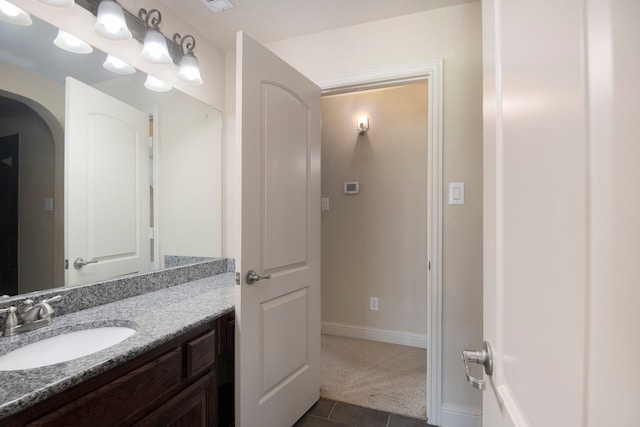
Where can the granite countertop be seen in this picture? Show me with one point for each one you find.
(157, 316)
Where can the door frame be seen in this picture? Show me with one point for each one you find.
(431, 71)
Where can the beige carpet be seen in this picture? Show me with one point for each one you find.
(376, 375)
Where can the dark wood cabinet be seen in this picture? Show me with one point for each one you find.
(186, 382)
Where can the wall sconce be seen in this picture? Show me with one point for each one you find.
(144, 27)
(189, 68)
(71, 43)
(13, 14)
(110, 21)
(58, 3)
(363, 125)
(117, 65)
(156, 85)
(155, 48)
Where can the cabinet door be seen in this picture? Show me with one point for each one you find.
(193, 407)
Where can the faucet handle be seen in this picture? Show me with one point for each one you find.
(52, 299)
(11, 321)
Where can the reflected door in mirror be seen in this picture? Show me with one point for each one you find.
(107, 183)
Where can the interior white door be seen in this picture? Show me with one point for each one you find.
(535, 216)
(278, 113)
(106, 186)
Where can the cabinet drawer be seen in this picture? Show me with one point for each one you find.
(201, 353)
(121, 401)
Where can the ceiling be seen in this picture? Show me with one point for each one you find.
(270, 20)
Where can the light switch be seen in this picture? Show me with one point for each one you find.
(456, 193)
(325, 203)
(48, 204)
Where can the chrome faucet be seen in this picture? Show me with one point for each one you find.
(32, 317)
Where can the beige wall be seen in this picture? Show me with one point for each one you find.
(375, 243)
(454, 34)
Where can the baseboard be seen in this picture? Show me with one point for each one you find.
(460, 416)
(373, 334)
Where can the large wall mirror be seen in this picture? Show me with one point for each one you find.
(160, 203)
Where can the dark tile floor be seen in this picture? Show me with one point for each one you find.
(328, 413)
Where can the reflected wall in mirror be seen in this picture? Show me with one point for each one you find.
(183, 178)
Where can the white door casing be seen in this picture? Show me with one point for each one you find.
(106, 185)
(278, 319)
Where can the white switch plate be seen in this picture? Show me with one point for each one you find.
(48, 204)
(325, 203)
(456, 193)
(373, 303)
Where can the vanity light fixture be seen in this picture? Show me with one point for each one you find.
(118, 66)
(155, 48)
(363, 125)
(189, 70)
(13, 14)
(58, 3)
(71, 43)
(110, 22)
(156, 85)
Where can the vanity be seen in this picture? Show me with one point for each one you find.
(176, 369)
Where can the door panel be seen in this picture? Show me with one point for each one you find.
(107, 193)
(286, 177)
(278, 318)
(535, 222)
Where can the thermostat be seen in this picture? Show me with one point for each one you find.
(352, 187)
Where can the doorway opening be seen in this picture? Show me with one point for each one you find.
(27, 166)
(431, 72)
(375, 247)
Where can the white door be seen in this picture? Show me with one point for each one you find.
(278, 115)
(561, 212)
(106, 186)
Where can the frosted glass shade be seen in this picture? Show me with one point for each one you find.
(156, 85)
(155, 48)
(189, 70)
(117, 65)
(71, 43)
(13, 14)
(110, 22)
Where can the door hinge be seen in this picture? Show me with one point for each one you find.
(429, 266)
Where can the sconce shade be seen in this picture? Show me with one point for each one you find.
(363, 125)
(189, 70)
(13, 15)
(110, 22)
(156, 85)
(58, 3)
(118, 66)
(155, 48)
(71, 43)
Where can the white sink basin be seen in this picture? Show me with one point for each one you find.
(64, 347)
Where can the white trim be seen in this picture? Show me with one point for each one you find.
(373, 334)
(460, 416)
(432, 72)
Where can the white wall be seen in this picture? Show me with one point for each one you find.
(453, 34)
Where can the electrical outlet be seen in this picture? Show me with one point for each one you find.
(373, 303)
